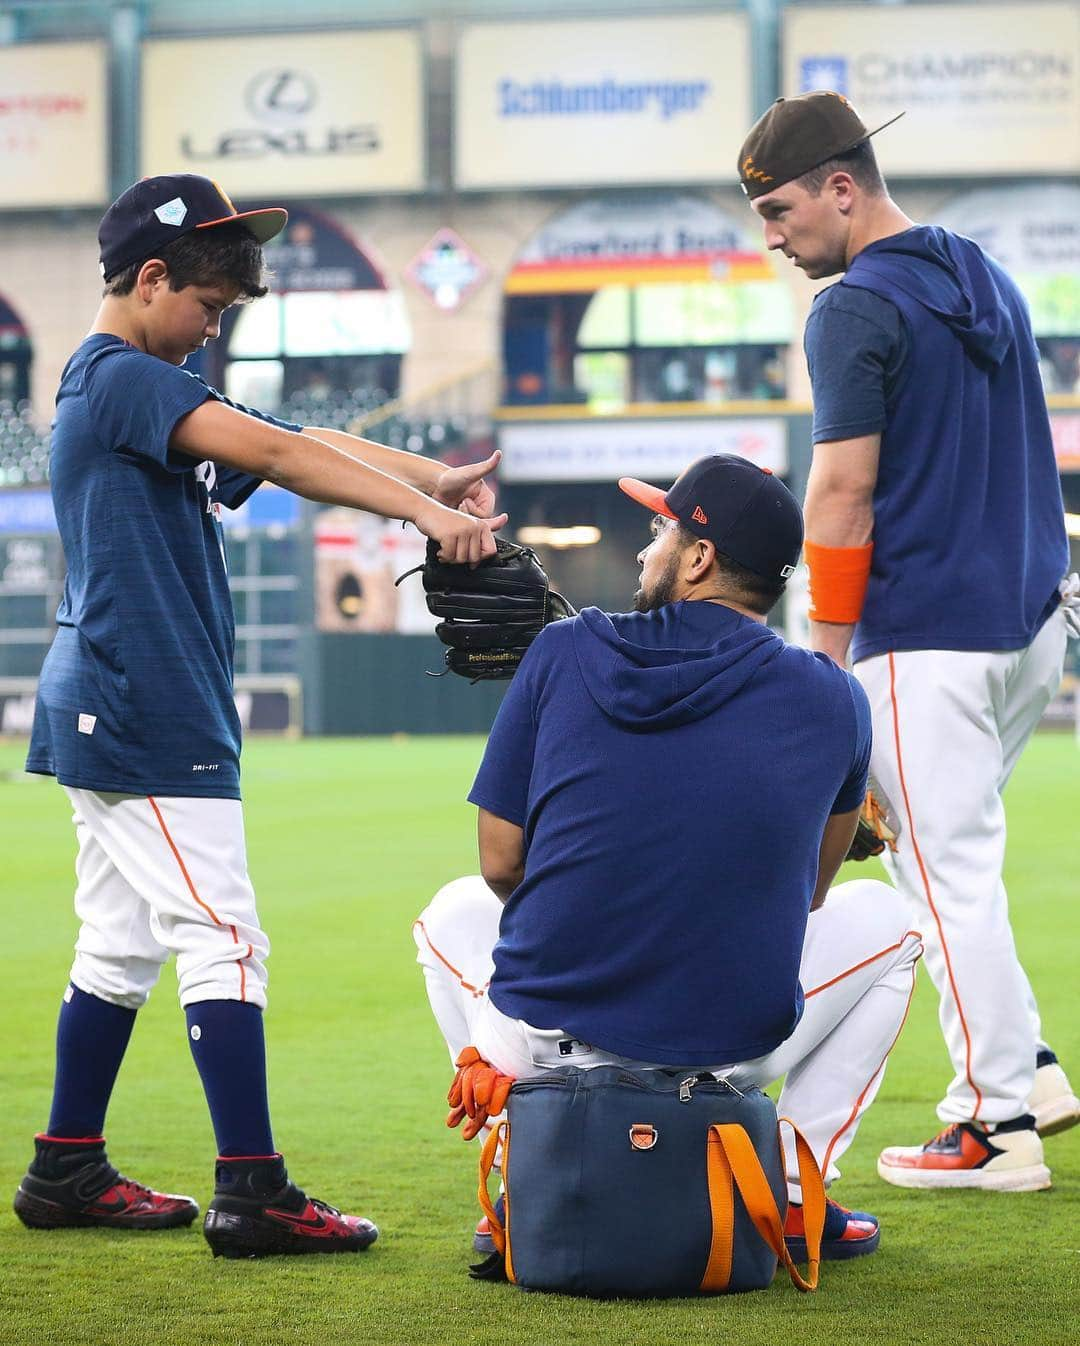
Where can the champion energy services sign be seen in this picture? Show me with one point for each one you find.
(53, 109)
(650, 100)
(987, 88)
(328, 114)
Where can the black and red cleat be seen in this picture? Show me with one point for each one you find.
(71, 1184)
(257, 1212)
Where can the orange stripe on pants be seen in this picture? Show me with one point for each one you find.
(859, 1101)
(478, 992)
(865, 963)
(927, 889)
(192, 890)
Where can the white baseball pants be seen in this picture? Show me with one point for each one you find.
(160, 875)
(949, 726)
(858, 973)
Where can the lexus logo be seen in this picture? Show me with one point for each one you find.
(281, 95)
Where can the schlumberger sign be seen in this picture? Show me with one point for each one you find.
(601, 101)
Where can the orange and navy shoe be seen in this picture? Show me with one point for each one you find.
(1000, 1157)
(847, 1233)
(70, 1183)
(257, 1212)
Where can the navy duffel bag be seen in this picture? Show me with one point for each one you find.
(645, 1183)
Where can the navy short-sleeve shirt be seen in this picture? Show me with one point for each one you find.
(135, 694)
(856, 347)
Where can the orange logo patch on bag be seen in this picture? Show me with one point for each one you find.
(643, 1135)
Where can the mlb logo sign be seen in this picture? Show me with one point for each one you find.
(823, 72)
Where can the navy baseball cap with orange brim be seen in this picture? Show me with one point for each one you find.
(742, 509)
(156, 211)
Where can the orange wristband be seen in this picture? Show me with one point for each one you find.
(838, 579)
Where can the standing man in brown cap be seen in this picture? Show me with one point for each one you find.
(936, 547)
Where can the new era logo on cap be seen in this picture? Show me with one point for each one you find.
(751, 516)
(172, 212)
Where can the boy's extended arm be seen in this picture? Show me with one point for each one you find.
(317, 470)
(453, 486)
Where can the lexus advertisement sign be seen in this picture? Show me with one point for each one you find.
(987, 89)
(329, 114)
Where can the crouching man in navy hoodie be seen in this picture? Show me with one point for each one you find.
(665, 798)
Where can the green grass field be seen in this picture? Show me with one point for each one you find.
(347, 840)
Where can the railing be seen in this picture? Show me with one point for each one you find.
(450, 413)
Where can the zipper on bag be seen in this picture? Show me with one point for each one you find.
(686, 1086)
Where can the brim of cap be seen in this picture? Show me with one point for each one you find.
(883, 125)
(264, 224)
(652, 497)
(861, 141)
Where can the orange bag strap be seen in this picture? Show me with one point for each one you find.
(722, 1204)
(732, 1162)
(812, 1184)
(499, 1233)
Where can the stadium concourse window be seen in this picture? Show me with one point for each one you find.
(663, 300)
(1059, 364)
(264, 568)
(325, 346)
(24, 444)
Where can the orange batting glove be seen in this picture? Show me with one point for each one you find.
(478, 1092)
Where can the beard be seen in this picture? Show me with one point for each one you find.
(662, 590)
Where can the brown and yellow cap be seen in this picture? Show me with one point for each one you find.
(797, 134)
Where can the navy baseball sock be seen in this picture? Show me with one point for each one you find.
(91, 1038)
(226, 1040)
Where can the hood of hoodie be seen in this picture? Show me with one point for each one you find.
(950, 277)
(655, 670)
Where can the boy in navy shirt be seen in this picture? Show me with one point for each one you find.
(936, 548)
(135, 714)
(665, 797)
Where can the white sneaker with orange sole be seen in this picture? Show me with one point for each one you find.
(1003, 1158)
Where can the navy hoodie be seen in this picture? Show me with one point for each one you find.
(673, 773)
(969, 534)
